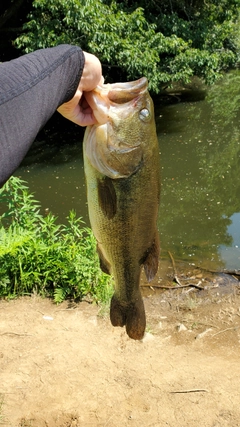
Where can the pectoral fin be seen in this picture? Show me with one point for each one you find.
(107, 198)
(114, 159)
(151, 259)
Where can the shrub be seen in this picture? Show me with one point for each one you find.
(39, 255)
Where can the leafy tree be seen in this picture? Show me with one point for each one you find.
(164, 40)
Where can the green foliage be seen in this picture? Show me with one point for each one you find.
(225, 99)
(165, 41)
(36, 254)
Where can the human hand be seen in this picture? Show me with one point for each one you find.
(77, 109)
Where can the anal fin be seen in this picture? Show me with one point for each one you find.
(151, 259)
(104, 264)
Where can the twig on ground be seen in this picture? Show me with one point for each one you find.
(15, 333)
(177, 280)
(152, 285)
(233, 273)
(225, 330)
(174, 270)
(193, 390)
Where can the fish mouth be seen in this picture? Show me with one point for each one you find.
(120, 93)
(104, 96)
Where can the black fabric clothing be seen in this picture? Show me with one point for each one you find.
(32, 87)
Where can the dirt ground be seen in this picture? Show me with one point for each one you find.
(66, 366)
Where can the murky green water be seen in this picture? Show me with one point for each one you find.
(199, 141)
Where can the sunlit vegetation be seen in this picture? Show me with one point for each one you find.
(167, 41)
(38, 255)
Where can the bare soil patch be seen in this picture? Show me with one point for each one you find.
(66, 366)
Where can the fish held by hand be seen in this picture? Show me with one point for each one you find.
(121, 161)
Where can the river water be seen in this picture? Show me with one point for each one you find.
(199, 143)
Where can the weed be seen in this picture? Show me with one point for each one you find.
(39, 255)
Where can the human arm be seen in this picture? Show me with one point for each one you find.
(32, 87)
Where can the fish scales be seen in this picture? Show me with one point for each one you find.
(121, 161)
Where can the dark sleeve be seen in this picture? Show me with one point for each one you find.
(32, 87)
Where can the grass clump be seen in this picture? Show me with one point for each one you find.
(39, 255)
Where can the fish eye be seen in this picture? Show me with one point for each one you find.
(145, 115)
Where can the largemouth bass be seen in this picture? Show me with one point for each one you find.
(121, 161)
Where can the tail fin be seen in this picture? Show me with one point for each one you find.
(130, 314)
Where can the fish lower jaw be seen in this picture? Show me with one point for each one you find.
(130, 314)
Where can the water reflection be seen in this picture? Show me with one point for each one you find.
(199, 216)
(56, 177)
(231, 254)
(201, 188)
